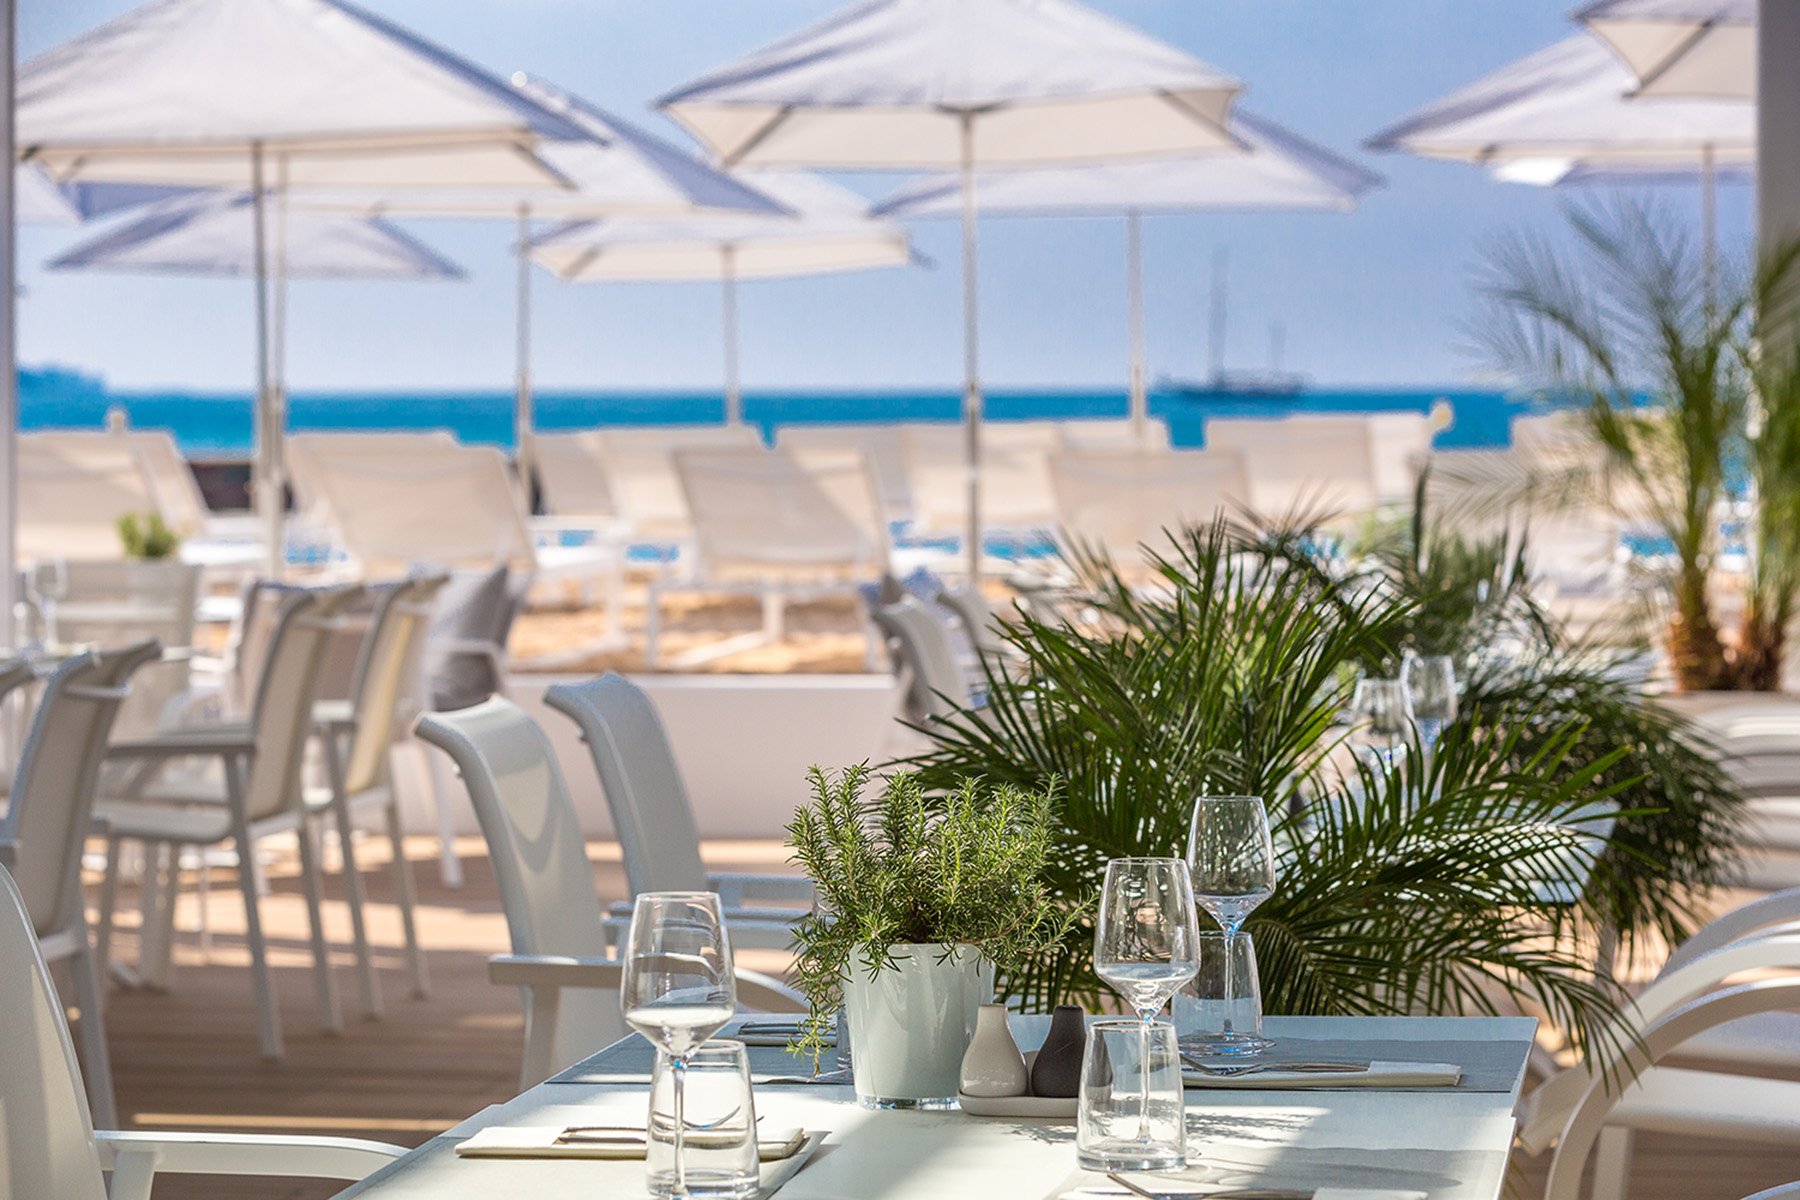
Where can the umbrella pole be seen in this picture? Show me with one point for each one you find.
(9, 384)
(523, 420)
(971, 348)
(1134, 283)
(267, 478)
(1709, 221)
(734, 392)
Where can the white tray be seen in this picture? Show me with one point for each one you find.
(1043, 1107)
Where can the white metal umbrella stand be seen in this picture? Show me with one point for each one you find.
(728, 292)
(1134, 285)
(524, 418)
(971, 346)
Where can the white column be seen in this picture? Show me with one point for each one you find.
(971, 348)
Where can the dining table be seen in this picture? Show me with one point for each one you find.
(1331, 1141)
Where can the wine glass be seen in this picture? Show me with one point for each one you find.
(1231, 855)
(1431, 690)
(48, 582)
(1379, 716)
(1147, 942)
(678, 988)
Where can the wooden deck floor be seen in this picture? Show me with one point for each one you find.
(188, 1058)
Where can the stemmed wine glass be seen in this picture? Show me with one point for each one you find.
(1431, 690)
(1147, 942)
(48, 583)
(1380, 712)
(1231, 855)
(678, 988)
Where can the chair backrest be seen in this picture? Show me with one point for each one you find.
(384, 685)
(923, 646)
(537, 851)
(53, 789)
(282, 714)
(1015, 475)
(73, 492)
(451, 505)
(881, 444)
(641, 472)
(1296, 465)
(980, 624)
(303, 454)
(1778, 908)
(122, 601)
(465, 648)
(649, 803)
(1114, 435)
(47, 1149)
(1117, 501)
(756, 510)
(172, 490)
(572, 473)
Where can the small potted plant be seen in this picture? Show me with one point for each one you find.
(921, 899)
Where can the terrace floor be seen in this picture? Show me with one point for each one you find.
(187, 1058)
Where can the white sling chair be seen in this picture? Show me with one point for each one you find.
(654, 820)
(1787, 1191)
(1667, 1101)
(1119, 501)
(778, 524)
(114, 603)
(49, 1149)
(357, 737)
(1760, 744)
(260, 792)
(568, 983)
(47, 822)
(925, 655)
(882, 445)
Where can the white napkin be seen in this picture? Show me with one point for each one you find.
(544, 1141)
(1379, 1075)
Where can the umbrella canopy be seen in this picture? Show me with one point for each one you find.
(828, 229)
(931, 84)
(180, 91)
(210, 234)
(1692, 48)
(283, 93)
(1280, 170)
(38, 201)
(1571, 102)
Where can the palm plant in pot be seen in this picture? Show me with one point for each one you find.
(921, 899)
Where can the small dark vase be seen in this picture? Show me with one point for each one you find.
(1057, 1068)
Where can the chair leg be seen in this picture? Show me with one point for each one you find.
(1612, 1163)
(96, 1063)
(268, 1015)
(109, 896)
(406, 892)
(330, 1019)
(353, 889)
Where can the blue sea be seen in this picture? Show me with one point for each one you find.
(218, 425)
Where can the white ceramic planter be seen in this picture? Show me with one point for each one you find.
(910, 1025)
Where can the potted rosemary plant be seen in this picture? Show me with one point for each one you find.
(921, 899)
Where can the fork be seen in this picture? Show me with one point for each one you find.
(1233, 1070)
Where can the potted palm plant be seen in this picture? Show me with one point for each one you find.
(921, 899)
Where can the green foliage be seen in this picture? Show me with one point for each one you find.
(1423, 888)
(964, 868)
(144, 535)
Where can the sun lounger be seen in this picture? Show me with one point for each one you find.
(1117, 502)
(1015, 476)
(882, 445)
(1316, 466)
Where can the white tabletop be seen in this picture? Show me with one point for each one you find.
(1444, 1144)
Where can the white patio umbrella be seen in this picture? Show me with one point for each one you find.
(38, 201)
(1699, 49)
(289, 94)
(1281, 170)
(213, 234)
(613, 169)
(829, 231)
(959, 84)
(1567, 113)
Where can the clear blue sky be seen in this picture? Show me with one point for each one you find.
(1369, 299)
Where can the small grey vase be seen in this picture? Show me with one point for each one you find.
(1057, 1068)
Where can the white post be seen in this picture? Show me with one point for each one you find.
(1777, 117)
(9, 383)
(523, 420)
(1709, 221)
(267, 490)
(1134, 284)
(734, 392)
(971, 348)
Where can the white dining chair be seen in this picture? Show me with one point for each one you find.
(258, 793)
(1633, 1096)
(654, 819)
(935, 686)
(47, 823)
(357, 738)
(567, 980)
(1787, 1191)
(49, 1147)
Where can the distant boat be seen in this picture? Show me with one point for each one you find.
(1219, 383)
